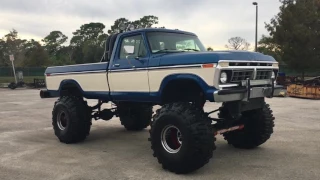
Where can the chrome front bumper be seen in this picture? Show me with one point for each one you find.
(247, 91)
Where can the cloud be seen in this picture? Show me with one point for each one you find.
(214, 21)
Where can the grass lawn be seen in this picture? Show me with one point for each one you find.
(26, 79)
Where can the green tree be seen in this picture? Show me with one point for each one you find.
(147, 21)
(144, 22)
(237, 43)
(115, 27)
(36, 56)
(266, 46)
(2, 53)
(12, 44)
(63, 56)
(54, 42)
(209, 49)
(295, 31)
(87, 44)
(88, 33)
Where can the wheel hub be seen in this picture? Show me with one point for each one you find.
(171, 139)
(62, 120)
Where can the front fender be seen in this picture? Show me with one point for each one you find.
(208, 90)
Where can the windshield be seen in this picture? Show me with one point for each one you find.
(173, 42)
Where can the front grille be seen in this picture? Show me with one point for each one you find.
(263, 74)
(239, 75)
(249, 64)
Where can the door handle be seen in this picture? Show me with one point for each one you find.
(116, 65)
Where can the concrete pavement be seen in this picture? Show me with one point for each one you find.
(29, 150)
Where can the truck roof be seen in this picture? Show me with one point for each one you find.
(160, 30)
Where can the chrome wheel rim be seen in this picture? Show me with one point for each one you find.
(62, 120)
(171, 139)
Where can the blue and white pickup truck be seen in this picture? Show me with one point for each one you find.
(171, 68)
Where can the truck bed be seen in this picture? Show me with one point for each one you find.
(85, 75)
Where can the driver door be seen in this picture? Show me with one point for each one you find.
(128, 74)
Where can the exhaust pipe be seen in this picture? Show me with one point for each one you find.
(45, 94)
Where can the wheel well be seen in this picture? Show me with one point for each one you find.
(182, 90)
(69, 89)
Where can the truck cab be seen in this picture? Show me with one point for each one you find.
(143, 61)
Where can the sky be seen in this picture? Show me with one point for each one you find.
(214, 21)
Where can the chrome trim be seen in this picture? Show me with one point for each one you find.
(79, 72)
(166, 135)
(251, 71)
(244, 83)
(174, 66)
(129, 69)
(255, 73)
(248, 67)
(216, 82)
(86, 64)
(228, 85)
(249, 61)
(257, 82)
(255, 92)
(159, 67)
(179, 66)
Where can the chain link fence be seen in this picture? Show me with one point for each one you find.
(27, 71)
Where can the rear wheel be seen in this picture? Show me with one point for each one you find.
(71, 119)
(135, 117)
(258, 127)
(181, 137)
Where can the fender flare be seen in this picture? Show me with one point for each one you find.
(207, 90)
(70, 81)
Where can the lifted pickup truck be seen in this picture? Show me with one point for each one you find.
(171, 68)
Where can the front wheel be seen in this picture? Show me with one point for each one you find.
(181, 137)
(258, 127)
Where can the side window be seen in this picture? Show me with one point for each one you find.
(132, 47)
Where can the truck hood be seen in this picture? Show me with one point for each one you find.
(212, 57)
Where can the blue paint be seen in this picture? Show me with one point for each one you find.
(242, 55)
(154, 62)
(208, 90)
(136, 96)
(167, 60)
(77, 68)
(117, 63)
(186, 58)
(102, 95)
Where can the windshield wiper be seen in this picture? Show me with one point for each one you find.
(167, 51)
(191, 49)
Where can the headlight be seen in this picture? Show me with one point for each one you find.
(223, 77)
(275, 65)
(273, 75)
